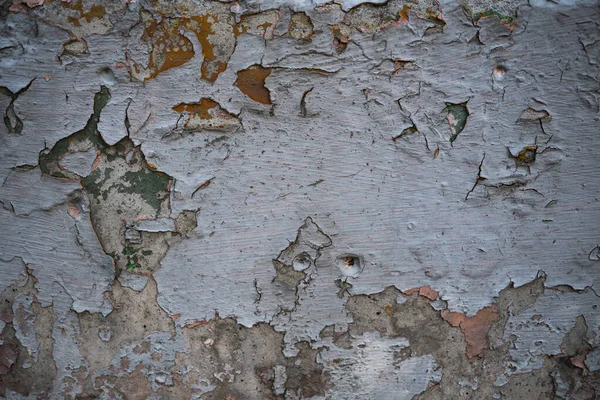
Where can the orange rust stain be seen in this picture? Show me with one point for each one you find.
(428, 292)
(403, 14)
(527, 154)
(300, 26)
(202, 26)
(388, 310)
(240, 28)
(265, 26)
(249, 24)
(74, 21)
(201, 109)
(340, 40)
(175, 316)
(251, 82)
(170, 48)
(475, 328)
(96, 11)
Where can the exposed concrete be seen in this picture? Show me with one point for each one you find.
(284, 199)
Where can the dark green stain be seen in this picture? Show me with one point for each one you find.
(48, 160)
(150, 185)
(459, 113)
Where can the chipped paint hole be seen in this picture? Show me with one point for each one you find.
(107, 76)
(104, 334)
(525, 155)
(457, 118)
(75, 208)
(499, 71)
(251, 82)
(301, 262)
(133, 235)
(350, 265)
(161, 378)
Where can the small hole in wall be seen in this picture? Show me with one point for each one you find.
(301, 262)
(107, 76)
(499, 71)
(350, 265)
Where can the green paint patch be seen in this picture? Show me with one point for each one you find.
(117, 182)
(48, 160)
(457, 118)
(93, 183)
(150, 185)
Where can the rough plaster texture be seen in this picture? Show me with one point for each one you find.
(290, 199)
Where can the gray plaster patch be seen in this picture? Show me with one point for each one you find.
(592, 360)
(369, 370)
(157, 361)
(12, 271)
(155, 225)
(539, 330)
(136, 282)
(73, 259)
(79, 163)
(371, 186)
(23, 321)
(28, 190)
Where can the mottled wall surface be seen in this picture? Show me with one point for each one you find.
(299, 199)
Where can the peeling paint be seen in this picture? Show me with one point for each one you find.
(285, 199)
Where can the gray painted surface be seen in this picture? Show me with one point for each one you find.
(414, 169)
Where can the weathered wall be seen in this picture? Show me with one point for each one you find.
(293, 199)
